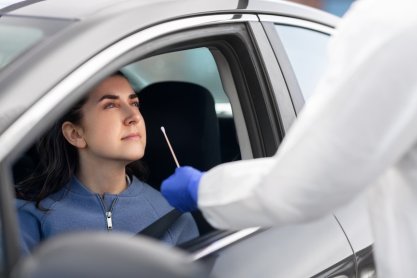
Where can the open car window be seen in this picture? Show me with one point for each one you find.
(183, 92)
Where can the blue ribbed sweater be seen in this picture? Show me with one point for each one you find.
(76, 208)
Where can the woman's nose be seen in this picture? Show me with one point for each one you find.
(132, 115)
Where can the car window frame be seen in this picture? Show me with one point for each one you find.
(10, 234)
(268, 22)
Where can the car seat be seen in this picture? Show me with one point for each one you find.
(187, 112)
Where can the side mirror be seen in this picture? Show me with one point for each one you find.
(98, 254)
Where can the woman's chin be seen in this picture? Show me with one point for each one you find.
(136, 156)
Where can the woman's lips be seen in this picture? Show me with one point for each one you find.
(132, 136)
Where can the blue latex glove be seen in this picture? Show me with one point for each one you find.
(181, 188)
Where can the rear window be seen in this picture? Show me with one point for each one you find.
(19, 34)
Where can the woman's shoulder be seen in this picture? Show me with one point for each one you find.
(152, 195)
(26, 208)
(22, 204)
(29, 206)
(143, 187)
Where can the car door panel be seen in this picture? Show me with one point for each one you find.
(313, 249)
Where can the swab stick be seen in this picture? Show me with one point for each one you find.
(170, 147)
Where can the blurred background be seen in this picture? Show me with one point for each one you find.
(337, 7)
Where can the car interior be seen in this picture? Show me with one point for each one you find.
(182, 92)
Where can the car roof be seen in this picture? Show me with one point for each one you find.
(81, 9)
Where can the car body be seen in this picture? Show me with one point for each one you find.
(259, 59)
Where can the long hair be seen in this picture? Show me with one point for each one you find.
(59, 161)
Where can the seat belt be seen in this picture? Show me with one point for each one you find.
(158, 228)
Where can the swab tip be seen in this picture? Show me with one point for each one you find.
(163, 129)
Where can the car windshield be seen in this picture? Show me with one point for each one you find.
(19, 34)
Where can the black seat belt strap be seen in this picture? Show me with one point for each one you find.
(158, 228)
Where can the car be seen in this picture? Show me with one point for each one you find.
(226, 79)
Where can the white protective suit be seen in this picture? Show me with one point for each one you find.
(358, 132)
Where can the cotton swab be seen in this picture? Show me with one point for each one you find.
(170, 147)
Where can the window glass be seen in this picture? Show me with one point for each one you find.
(307, 51)
(193, 65)
(23, 37)
(18, 34)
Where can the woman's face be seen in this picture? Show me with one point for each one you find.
(111, 124)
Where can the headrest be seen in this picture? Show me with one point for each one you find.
(187, 112)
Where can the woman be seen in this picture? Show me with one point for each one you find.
(82, 183)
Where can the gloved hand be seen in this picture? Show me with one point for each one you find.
(181, 188)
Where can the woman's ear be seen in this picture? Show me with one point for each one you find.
(73, 134)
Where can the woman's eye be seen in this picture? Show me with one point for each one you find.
(109, 105)
(136, 103)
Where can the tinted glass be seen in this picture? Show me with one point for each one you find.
(307, 50)
(19, 34)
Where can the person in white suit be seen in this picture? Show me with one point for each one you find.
(358, 132)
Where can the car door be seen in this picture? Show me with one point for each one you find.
(317, 249)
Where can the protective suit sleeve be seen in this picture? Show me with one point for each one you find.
(362, 121)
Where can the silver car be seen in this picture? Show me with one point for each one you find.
(259, 60)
